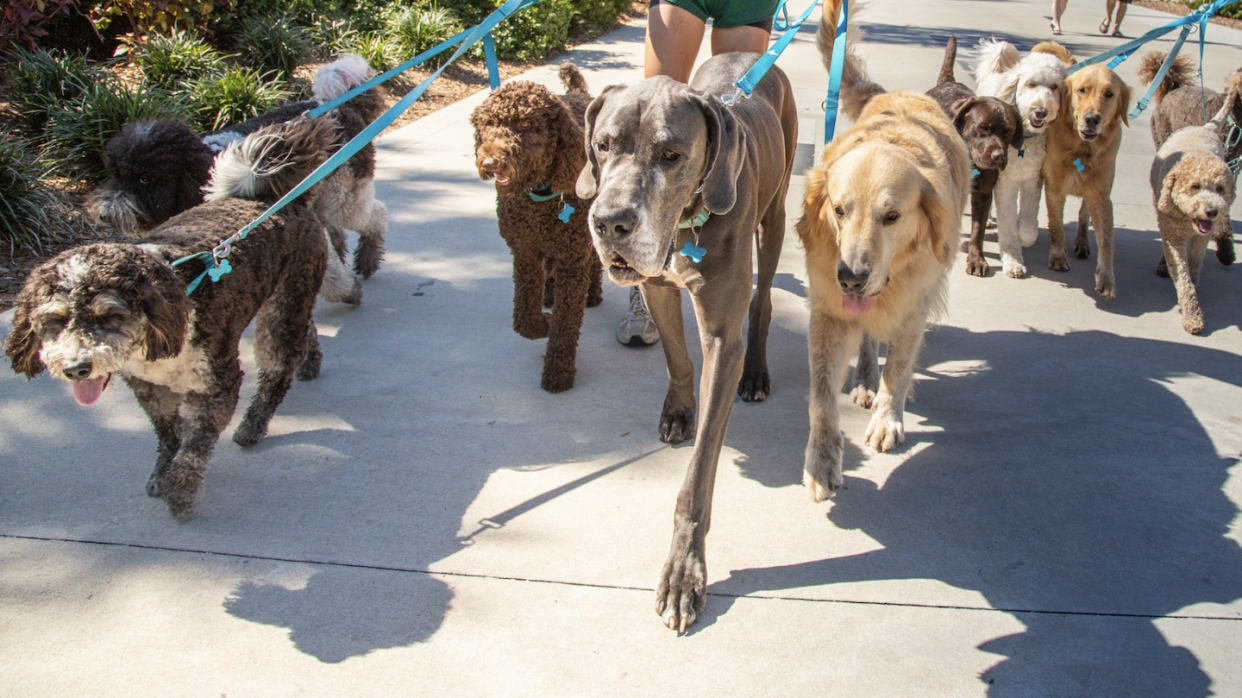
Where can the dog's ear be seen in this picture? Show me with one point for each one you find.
(1166, 203)
(162, 299)
(22, 344)
(935, 223)
(1123, 100)
(570, 157)
(588, 179)
(817, 226)
(1019, 134)
(726, 152)
(959, 110)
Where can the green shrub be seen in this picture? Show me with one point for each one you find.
(77, 131)
(41, 81)
(275, 44)
(236, 95)
(167, 60)
(379, 51)
(534, 33)
(24, 203)
(334, 35)
(592, 15)
(147, 15)
(1232, 11)
(416, 30)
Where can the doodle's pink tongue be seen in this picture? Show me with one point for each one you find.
(857, 305)
(87, 392)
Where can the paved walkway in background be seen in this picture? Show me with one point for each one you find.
(424, 520)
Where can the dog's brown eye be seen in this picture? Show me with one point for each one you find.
(1108, 94)
(839, 211)
(601, 147)
(1194, 187)
(1082, 90)
(1031, 84)
(522, 125)
(891, 217)
(670, 156)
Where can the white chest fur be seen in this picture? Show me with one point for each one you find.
(187, 372)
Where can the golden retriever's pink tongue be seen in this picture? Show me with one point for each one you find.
(87, 392)
(857, 305)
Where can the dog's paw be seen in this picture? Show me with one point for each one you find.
(1058, 262)
(1014, 268)
(156, 485)
(755, 386)
(977, 266)
(677, 424)
(1193, 325)
(248, 433)
(821, 471)
(367, 258)
(1162, 268)
(183, 495)
(533, 327)
(1082, 248)
(1224, 251)
(682, 593)
(863, 396)
(1105, 286)
(885, 432)
(557, 381)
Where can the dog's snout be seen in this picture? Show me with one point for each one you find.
(1092, 119)
(78, 371)
(614, 225)
(1211, 212)
(489, 164)
(1039, 112)
(850, 280)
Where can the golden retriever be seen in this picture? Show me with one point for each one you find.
(880, 226)
(1081, 161)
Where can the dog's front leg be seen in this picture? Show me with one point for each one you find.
(677, 417)
(980, 204)
(682, 592)
(1176, 251)
(887, 428)
(528, 286)
(1224, 243)
(161, 406)
(829, 340)
(203, 416)
(560, 360)
(867, 372)
(1057, 259)
(1101, 209)
(1008, 229)
(1028, 212)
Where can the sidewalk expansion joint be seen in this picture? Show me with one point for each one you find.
(617, 587)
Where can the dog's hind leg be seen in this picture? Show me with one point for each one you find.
(1082, 247)
(756, 384)
(1028, 212)
(161, 406)
(677, 417)
(339, 285)
(887, 428)
(372, 235)
(1008, 229)
(595, 294)
(560, 360)
(829, 343)
(309, 370)
(867, 372)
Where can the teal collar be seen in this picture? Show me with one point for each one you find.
(542, 197)
(697, 222)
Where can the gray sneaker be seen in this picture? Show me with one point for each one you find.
(637, 329)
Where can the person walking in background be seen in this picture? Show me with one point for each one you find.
(675, 30)
(1108, 15)
(1058, 8)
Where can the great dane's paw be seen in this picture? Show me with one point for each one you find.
(682, 593)
(977, 266)
(1058, 262)
(557, 381)
(863, 396)
(821, 472)
(1082, 249)
(183, 495)
(1014, 268)
(755, 386)
(677, 424)
(884, 432)
(1105, 286)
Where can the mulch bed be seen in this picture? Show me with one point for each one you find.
(460, 80)
(1176, 8)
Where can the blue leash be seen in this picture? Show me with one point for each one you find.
(833, 101)
(217, 262)
(746, 85)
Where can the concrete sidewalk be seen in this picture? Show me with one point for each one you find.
(424, 520)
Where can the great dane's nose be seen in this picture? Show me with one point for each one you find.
(614, 225)
(851, 281)
(78, 371)
(1092, 120)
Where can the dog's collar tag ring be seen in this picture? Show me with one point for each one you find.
(566, 211)
(1079, 165)
(692, 250)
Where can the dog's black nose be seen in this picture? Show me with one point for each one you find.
(1092, 120)
(1211, 212)
(78, 371)
(850, 281)
(1039, 113)
(614, 225)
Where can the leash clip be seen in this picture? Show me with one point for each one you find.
(730, 100)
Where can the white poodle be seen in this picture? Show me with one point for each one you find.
(1035, 85)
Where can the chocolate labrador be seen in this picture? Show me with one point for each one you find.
(682, 184)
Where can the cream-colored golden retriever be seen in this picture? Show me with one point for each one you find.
(880, 228)
(1081, 161)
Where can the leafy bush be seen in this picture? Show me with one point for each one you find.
(24, 203)
(21, 21)
(534, 33)
(167, 60)
(590, 15)
(236, 95)
(146, 15)
(1231, 11)
(77, 131)
(416, 30)
(381, 53)
(41, 80)
(274, 43)
(334, 35)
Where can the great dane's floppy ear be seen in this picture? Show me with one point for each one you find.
(726, 151)
(22, 344)
(588, 179)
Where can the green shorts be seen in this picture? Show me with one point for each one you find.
(729, 13)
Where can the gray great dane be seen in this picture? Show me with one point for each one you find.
(670, 164)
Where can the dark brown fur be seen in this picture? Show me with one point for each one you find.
(990, 127)
(533, 140)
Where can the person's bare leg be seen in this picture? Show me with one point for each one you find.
(673, 39)
(1058, 8)
(745, 38)
(1121, 13)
